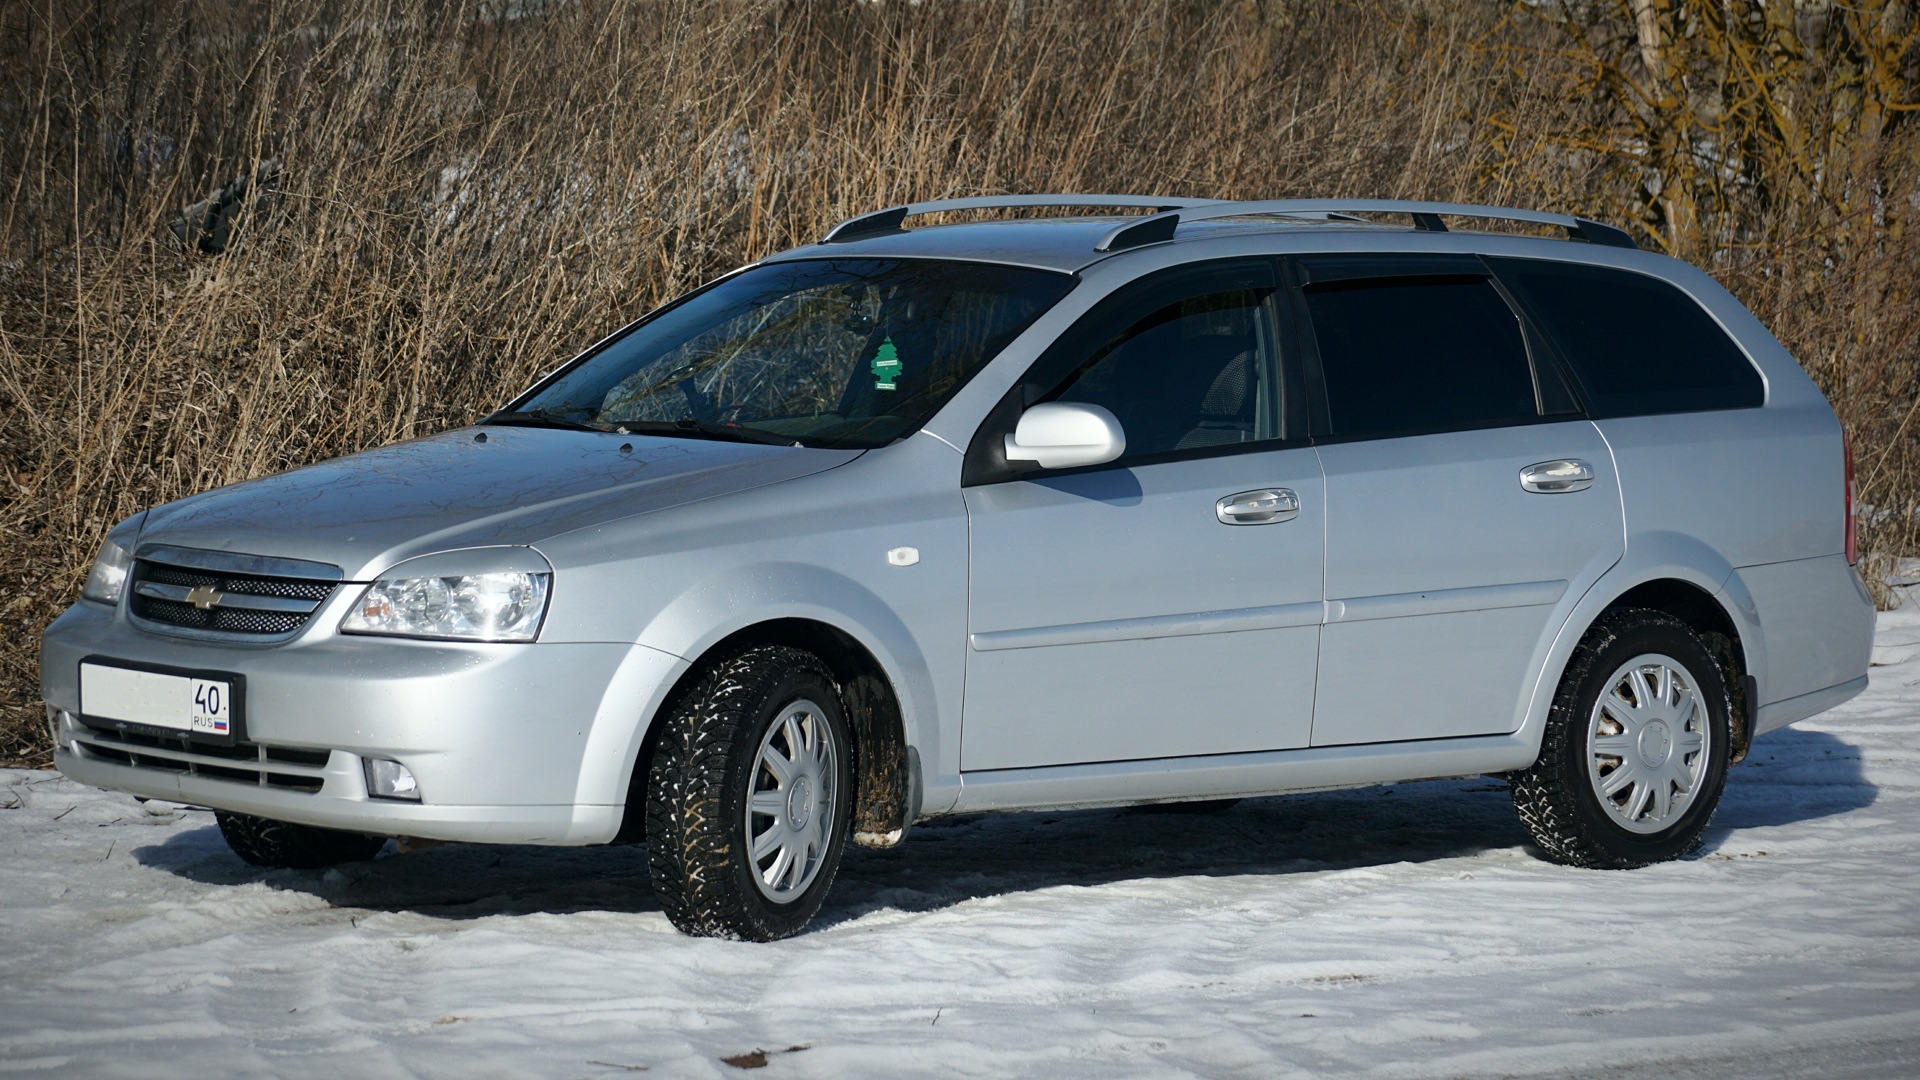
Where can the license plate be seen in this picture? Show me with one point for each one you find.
(199, 705)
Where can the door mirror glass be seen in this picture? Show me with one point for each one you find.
(1061, 435)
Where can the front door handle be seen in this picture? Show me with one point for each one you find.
(1262, 507)
(1557, 477)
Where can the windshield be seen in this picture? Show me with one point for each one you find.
(828, 352)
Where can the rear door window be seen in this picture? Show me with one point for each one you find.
(1637, 345)
(1408, 354)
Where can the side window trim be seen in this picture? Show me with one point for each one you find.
(1330, 269)
(1549, 366)
(1320, 416)
(985, 461)
(1543, 360)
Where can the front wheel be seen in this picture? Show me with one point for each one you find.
(1634, 757)
(281, 845)
(749, 797)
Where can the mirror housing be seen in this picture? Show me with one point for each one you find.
(1060, 435)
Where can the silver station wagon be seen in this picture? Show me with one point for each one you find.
(1217, 500)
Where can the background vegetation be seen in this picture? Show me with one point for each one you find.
(444, 199)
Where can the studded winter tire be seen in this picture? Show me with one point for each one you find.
(1635, 753)
(282, 845)
(749, 797)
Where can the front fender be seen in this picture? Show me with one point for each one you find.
(708, 612)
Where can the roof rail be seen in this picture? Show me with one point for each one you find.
(883, 221)
(1426, 217)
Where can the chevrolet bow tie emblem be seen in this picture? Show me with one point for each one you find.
(204, 597)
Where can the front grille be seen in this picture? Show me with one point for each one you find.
(225, 593)
(246, 763)
(175, 613)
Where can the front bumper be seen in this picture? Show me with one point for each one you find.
(525, 743)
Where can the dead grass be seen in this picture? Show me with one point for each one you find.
(460, 195)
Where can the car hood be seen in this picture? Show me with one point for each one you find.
(367, 511)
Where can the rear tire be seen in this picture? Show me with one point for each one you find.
(1634, 757)
(282, 845)
(749, 797)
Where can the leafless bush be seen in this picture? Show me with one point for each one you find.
(444, 199)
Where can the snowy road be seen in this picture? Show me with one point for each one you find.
(1393, 933)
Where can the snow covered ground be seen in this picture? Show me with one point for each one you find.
(1406, 932)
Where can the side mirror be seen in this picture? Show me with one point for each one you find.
(1064, 436)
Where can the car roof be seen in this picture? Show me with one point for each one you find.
(1069, 245)
(1065, 245)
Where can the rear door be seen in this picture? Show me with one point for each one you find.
(1466, 496)
(1123, 611)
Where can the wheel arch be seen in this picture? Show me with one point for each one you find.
(1684, 577)
(885, 771)
(1717, 629)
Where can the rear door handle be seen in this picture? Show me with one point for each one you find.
(1262, 507)
(1557, 477)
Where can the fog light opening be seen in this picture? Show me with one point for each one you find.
(388, 779)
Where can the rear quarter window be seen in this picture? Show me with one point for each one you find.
(1637, 345)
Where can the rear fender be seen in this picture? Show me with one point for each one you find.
(1650, 557)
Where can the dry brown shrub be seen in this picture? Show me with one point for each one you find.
(459, 195)
(1777, 144)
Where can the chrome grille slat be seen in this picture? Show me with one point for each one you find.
(226, 594)
(234, 562)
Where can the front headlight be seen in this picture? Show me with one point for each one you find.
(108, 578)
(468, 607)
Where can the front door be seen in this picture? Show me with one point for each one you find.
(1137, 610)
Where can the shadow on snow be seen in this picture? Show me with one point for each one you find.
(1791, 776)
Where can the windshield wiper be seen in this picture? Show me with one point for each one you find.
(701, 429)
(541, 418)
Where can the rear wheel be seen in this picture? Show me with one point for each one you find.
(1635, 753)
(749, 797)
(282, 845)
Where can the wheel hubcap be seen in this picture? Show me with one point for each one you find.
(1649, 739)
(790, 802)
(800, 803)
(1655, 742)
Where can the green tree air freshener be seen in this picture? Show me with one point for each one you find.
(886, 366)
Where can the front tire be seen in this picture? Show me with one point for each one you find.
(1635, 753)
(749, 797)
(283, 845)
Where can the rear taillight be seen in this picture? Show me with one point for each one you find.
(1853, 536)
